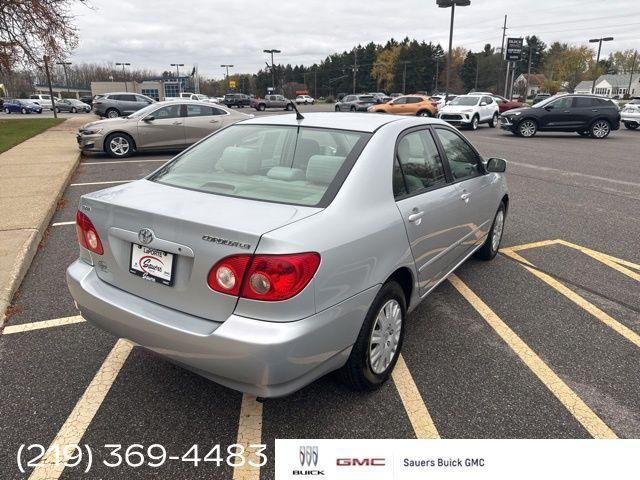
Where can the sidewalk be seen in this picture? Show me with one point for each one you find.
(33, 176)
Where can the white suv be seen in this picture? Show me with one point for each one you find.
(44, 100)
(305, 99)
(470, 111)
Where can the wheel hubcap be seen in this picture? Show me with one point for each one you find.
(498, 225)
(600, 129)
(527, 129)
(119, 146)
(113, 114)
(385, 336)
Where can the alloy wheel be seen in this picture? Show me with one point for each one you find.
(385, 336)
(119, 146)
(474, 123)
(112, 114)
(527, 128)
(600, 129)
(498, 226)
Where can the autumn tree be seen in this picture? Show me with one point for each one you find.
(30, 29)
(383, 68)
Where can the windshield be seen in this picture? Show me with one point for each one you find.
(465, 101)
(143, 111)
(284, 164)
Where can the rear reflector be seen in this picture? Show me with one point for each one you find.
(87, 234)
(264, 277)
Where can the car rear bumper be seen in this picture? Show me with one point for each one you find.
(626, 117)
(267, 359)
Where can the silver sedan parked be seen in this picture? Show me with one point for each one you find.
(159, 126)
(279, 249)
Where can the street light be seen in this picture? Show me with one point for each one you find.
(123, 64)
(66, 78)
(273, 70)
(453, 4)
(178, 65)
(227, 66)
(595, 70)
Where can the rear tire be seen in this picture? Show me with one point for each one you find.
(378, 346)
(119, 145)
(337, 108)
(74, 110)
(491, 245)
(494, 121)
(7, 111)
(600, 129)
(112, 113)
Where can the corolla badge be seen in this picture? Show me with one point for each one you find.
(145, 236)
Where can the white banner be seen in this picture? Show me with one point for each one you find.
(456, 459)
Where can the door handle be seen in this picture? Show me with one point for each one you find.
(177, 123)
(595, 110)
(214, 121)
(416, 217)
(465, 196)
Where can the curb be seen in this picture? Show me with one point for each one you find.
(27, 251)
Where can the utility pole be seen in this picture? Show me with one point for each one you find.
(227, 66)
(595, 69)
(178, 65)
(452, 4)
(404, 77)
(355, 68)
(526, 88)
(633, 67)
(504, 34)
(273, 69)
(124, 78)
(315, 82)
(46, 71)
(66, 77)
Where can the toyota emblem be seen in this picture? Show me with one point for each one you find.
(145, 236)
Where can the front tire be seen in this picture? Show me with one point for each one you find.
(527, 128)
(23, 111)
(378, 346)
(600, 129)
(494, 121)
(631, 126)
(289, 107)
(262, 107)
(119, 145)
(337, 108)
(475, 121)
(491, 245)
(112, 113)
(424, 113)
(7, 111)
(353, 109)
(74, 110)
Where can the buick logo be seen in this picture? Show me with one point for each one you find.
(145, 236)
(308, 456)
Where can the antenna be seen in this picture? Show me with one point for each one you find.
(295, 107)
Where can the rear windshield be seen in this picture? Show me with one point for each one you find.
(365, 98)
(282, 164)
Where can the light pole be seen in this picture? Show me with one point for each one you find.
(273, 70)
(66, 77)
(178, 65)
(227, 66)
(595, 69)
(124, 78)
(453, 4)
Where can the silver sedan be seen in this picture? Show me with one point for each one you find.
(279, 249)
(159, 126)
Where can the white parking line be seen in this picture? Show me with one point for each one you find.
(56, 322)
(99, 183)
(110, 162)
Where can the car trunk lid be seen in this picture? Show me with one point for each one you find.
(196, 229)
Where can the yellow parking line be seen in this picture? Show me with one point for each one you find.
(611, 322)
(526, 246)
(612, 264)
(249, 433)
(76, 424)
(56, 322)
(572, 402)
(419, 416)
(595, 253)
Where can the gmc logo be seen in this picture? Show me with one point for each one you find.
(360, 462)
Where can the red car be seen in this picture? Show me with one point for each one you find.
(504, 104)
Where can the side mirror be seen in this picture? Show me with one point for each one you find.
(548, 108)
(497, 165)
(483, 104)
(504, 101)
(149, 118)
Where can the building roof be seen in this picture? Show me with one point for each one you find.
(535, 78)
(619, 80)
(584, 85)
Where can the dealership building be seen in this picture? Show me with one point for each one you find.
(156, 88)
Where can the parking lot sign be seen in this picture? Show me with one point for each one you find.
(232, 84)
(514, 49)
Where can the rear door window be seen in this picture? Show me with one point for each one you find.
(420, 163)
(583, 102)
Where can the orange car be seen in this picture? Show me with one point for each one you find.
(408, 105)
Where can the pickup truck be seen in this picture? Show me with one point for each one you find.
(271, 101)
(188, 96)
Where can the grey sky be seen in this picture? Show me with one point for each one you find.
(155, 33)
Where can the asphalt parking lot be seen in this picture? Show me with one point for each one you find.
(543, 342)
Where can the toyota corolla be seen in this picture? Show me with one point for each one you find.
(281, 248)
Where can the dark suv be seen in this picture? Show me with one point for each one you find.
(588, 115)
(239, 100)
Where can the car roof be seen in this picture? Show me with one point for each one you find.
(360, 122)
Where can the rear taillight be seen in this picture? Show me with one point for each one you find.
(87, 234)
(264, 277)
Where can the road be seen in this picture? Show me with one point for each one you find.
(542, 342)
